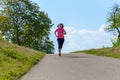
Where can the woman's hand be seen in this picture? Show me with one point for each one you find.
(64, 32)
(56, 35)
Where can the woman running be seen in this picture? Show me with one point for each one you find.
(59, 33)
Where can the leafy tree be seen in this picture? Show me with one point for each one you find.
(22, 23)
(113, 22)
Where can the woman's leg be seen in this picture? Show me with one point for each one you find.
(59, 51)
(60, 44)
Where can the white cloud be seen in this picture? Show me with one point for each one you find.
(85, 39)
(102, 28)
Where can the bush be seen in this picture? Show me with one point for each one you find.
(15, 61)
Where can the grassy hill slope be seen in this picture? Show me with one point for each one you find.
(15, 61)
(109, 52)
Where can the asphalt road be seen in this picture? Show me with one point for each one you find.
(75, 67)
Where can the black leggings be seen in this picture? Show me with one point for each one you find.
(60, 42)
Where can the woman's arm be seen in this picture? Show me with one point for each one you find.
(55, 33)
(64, 32)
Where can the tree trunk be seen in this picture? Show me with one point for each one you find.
(17, 36)
(118, 31)
(118, 37)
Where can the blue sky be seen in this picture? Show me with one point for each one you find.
(83, 19)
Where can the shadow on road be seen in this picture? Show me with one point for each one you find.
(74, 56)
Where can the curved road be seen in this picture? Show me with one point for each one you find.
(75, 67)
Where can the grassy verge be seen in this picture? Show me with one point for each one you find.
(108, 52)
(15, 61)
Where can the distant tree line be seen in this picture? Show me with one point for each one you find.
(23, 23)
(113, 23)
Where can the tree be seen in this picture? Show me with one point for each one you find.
(22, 23)
(113, 22)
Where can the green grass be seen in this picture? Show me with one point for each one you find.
(15, 61)
(108, 52)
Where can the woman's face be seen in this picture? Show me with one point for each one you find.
(59, 26)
